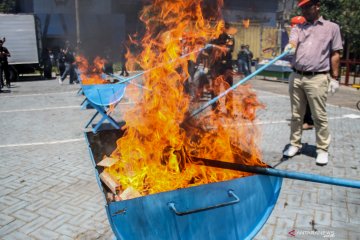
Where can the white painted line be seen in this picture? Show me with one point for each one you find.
(346, 108)
(38, 109)
(271, 94)
(54, 108)
(270, 122)
(348, 116)
(42, 143)
(126, 103)
(36, 94)
(353, 116)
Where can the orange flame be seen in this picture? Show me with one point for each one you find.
(246, 23)
(90, 74)
(155, 152)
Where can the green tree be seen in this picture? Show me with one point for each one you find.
(346, 14)
(7, 6)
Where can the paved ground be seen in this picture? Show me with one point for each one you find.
(48, 189)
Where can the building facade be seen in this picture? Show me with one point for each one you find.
(100, 25)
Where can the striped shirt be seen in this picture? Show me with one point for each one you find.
(315, 43)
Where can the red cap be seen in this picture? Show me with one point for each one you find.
(297, 20)
(303, 2)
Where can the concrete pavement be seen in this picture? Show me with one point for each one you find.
(48, 189)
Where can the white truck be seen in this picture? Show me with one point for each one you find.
(22, 35)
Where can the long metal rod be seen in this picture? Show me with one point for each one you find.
(278, 173)
(121, 79)
(161, 65)
(247, 78)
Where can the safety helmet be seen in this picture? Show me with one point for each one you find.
(304, 2)
(297, 20)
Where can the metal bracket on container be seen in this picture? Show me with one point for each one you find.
(230, 192)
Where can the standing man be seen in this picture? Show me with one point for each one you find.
(47, 63)
(4, 65)
(223, 64)
(250, 57)
(61, 61)
(123, 59)
(308, 121)
(316, 45)
(243, 60)
(69, 64)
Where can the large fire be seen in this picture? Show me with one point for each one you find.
(90, 74)
(154, 155)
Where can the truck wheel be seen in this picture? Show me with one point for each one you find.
(14, 75)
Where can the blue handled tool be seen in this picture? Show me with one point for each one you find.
(247, 78)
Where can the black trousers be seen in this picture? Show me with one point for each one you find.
(4, 70)
(226, 71)
(307, 118)
(123, 69)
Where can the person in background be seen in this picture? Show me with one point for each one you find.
(4, 65)
(47, 63)
(124, 72)
(308, 122)
(61, 61)
(250, 57)
(70, 65)
(316, 47)
(52, 57)
(108, 65)
(223, 65)
(242, 61)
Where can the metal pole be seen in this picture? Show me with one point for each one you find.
(278, 173)
(78, 40)
(209, 103)
(125, 80)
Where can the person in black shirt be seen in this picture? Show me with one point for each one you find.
(250, 57)
(61, 61)
(242, 61)
(69, 64)
(223, 65)
(4, 65)
(47, 63)
(108, 65)
(124, 71)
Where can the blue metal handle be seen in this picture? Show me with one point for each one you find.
(230, 192)
(244, 80)
(278, 173)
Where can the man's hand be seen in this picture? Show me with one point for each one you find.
(290, 48)
(333, 85)
(208, 46)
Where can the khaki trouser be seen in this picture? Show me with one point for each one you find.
(312, 89)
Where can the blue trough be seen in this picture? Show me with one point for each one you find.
(235, 209)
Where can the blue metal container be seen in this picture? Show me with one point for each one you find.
(235, 209)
